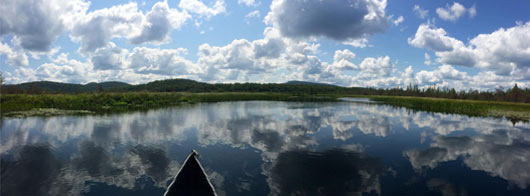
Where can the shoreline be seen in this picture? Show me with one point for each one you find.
(23, 105)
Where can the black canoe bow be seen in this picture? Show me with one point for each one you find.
(191, 179)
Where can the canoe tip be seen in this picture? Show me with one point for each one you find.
(194, 152)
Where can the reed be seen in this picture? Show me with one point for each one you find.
(509, 110)
(115, 102)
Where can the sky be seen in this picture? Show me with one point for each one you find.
(368, 43)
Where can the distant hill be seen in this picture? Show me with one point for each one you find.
(296, 88)
(308, 83)
(172, 85)
(59, 87)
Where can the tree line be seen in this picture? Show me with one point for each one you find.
(514, 94)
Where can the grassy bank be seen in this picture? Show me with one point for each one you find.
(116, 102)
(27, 105)
(510, 110)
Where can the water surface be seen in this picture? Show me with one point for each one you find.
(268, 148)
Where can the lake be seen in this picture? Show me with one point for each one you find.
(268, 148)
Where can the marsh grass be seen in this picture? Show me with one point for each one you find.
(13, 104)
(509, 110)
(118, 102)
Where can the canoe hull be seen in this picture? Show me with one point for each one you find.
(191, 179)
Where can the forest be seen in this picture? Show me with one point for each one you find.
(512, 94)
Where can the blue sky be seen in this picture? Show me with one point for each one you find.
(457, 44)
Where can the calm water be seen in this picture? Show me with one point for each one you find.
(268, 148)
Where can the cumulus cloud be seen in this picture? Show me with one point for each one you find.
(505, 51)
(504, 48)
(159, 21)
(64, 69)
(269, 48)
(37, 23)
(110, 63)
(109, 57)
(376, 67)
(240, 58)
(161, 61)
(14, 57)
(372, 71)
(452, 13)
(342, 59)
(338, 20)
(97, 28)
(440, 75)
(420, 12)
(201, 9)
(436, 39)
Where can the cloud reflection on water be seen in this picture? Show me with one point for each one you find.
(272, 128)
(502, 153)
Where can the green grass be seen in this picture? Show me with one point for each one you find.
(510, 110)
(116, 102)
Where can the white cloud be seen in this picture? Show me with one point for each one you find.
(62, 69)
(427, 36)
(338, 20)
(505, 51)
(14, 58)
(37, 23)
(472, 11)
(276, 58)
(167, 62)
(358, 43)
(159, 21)
(248, 2)
(19, 75)
(420, 12)
(452, 13)
(97, 28)
(398, 21)
(240, 59)
(376, 67)
(109, 57)
(427, 59)
(342, 59)
(112, 63)
(269, 48)
(253, 14)
(442, 73)
(201, 9)
(504, 48)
